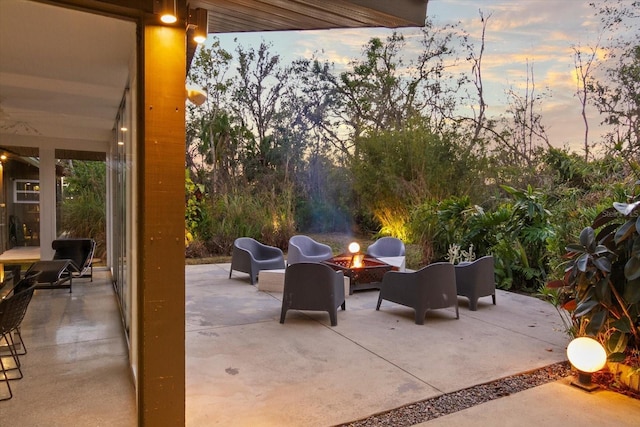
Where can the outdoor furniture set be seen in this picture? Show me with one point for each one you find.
(73, 258)
(314, 279)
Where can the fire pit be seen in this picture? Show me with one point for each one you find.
(364, 272)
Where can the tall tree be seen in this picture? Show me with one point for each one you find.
(617, 91)
(257, 98)
(387, 87)
(522, 127)
(212, 131)
(479, 118)
(583, 63)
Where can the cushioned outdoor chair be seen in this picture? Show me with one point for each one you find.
(476, 280)
(386, 247)
(313, 286)
(431, 287)
(250, 256)
(305, 249)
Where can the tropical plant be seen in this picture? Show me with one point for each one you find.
(601, 287)
(196, 215)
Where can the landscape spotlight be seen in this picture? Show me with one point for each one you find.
(587, 356)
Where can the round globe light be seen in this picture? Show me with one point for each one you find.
(354, 247)
(586, 354)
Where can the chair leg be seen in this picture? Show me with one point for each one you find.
(333, 316)
(5, 378)
(457, 312)
(494, 299)
(23, 346)
(420, 316)
(379, 302)
(344, 305)
(473, 304)
(14, 355)
(283, 314)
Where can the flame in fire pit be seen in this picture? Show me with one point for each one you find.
(357, 261)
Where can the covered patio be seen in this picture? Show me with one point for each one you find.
(244, 368)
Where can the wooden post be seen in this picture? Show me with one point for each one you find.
(161, 282)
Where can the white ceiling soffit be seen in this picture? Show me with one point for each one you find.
(62, 75)
(229, 16)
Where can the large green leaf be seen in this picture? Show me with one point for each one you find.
(631, 292)
(575, 248)
(626, 208)
(624, 232)
(596, 322)
(632, 268)
(606, 234)
(622, 325)
(635, 249)
(585, 307)
(601, 249)
(603, 293)
(603, 264)
(617, 357)
(617, 342)
(587, 238)
(604, 217)
(582, 262)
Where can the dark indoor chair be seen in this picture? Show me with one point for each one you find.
(73, 258)
(431, 287)
(476, 280)
(12, 311)
(313, 286)
(305, 249)
(25, 283)
(386, 247)
(80, 251)
(250, 256)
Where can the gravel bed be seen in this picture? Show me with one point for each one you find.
(449, 403)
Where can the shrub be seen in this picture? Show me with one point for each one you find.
(601, 287)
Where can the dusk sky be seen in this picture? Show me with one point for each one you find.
(541, 32)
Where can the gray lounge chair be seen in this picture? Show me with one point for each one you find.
(250, 256)
(386, 247)
(476, 280)
(313, 286)
(431, 287)
(305, 249)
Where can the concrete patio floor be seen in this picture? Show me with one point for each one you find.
(244, 368)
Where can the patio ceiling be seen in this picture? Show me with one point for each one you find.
(62, 75)
(230, 16)
(63, 72)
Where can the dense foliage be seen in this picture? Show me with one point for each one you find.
(382, 148)
(83, 208)
(600, 292)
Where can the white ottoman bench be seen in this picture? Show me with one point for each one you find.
(273, 281)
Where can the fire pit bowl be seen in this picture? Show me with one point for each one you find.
(366, 276)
